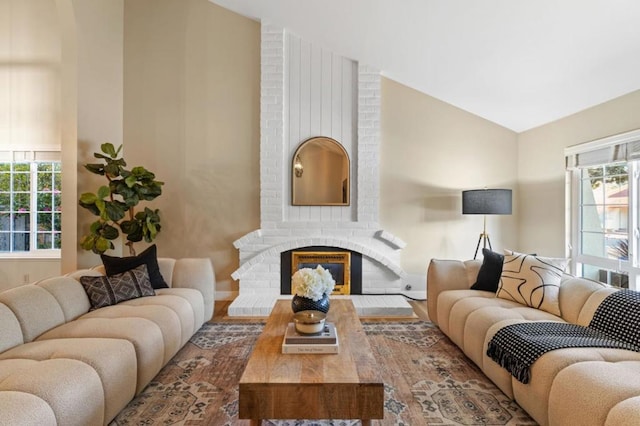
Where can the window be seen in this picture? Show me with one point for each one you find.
(30, 203)
(603, 209)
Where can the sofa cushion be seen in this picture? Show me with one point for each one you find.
(165, 318)
(532, 281)
(182, 309)
(35, 308)
(110, 290)
(591, 305)
(194, 298)
(447, 299)
(574, 293)
(448, 275)
(70, 295)
(11, 331)
(625, 413)
(70, 387)
(117, 265)
(145, 335)
(113, 359)
(198, 274)
(460, 311)
(608, 382)
(21, 408)
(490, 271)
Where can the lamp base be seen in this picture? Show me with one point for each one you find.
(486, 238)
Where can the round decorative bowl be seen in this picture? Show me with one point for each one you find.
(299, 303)
(309, 322)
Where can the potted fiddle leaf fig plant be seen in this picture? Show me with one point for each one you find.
(115, 203)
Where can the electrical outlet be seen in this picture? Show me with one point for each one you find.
(25, 278)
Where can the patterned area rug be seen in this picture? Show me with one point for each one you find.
(428, 380)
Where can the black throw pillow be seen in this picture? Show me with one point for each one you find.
(117, 265)
(490, 271)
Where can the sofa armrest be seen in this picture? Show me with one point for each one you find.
(198, 274)
(448, 275)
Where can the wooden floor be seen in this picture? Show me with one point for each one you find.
(220, 312)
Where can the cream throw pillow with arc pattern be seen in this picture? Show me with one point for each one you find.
(532, 280)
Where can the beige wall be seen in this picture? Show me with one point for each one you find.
(30, 101)
(29, 74)
(99, 38)
(191, 115)
(541, 173)
(16, 272)
(431, 152)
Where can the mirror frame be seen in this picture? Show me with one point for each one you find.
(293, 171)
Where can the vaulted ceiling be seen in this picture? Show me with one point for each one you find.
(518, 63)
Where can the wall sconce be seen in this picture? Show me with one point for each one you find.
(297, 166)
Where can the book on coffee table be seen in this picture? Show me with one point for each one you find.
(325, 342)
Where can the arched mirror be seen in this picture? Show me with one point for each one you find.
(320, 174)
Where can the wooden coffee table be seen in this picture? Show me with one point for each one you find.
(312, 386)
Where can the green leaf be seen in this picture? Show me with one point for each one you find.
(142, 173)
(102, 245)
(136, 235)
(97, 169)
(116, 186)
(152, 229)
(154, 215)
(98, 155)
(100, 205)
(95, 227)
(103, 192)
(132, 200)
(87, 242)
(128, 226)
(108, 149)
(130, 180)
(112, 170)
(114, 210)
(88, 198)
(110, 233)
(91, 207)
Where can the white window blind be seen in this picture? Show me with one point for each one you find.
(28, 155)
(622, 147)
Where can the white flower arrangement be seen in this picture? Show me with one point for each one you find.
(312, 283)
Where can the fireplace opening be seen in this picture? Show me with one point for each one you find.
(344, 265)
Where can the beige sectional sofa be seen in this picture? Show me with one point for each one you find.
(61, 363)
(578, 386)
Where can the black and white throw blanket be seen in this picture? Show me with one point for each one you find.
(616, 324)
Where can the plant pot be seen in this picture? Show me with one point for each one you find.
(299, 303)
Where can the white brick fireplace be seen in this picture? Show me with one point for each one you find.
(308, 91)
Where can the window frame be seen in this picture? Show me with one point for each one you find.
(573, 204)
(33, 157)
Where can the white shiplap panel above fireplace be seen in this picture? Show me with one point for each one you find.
(319, 100)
